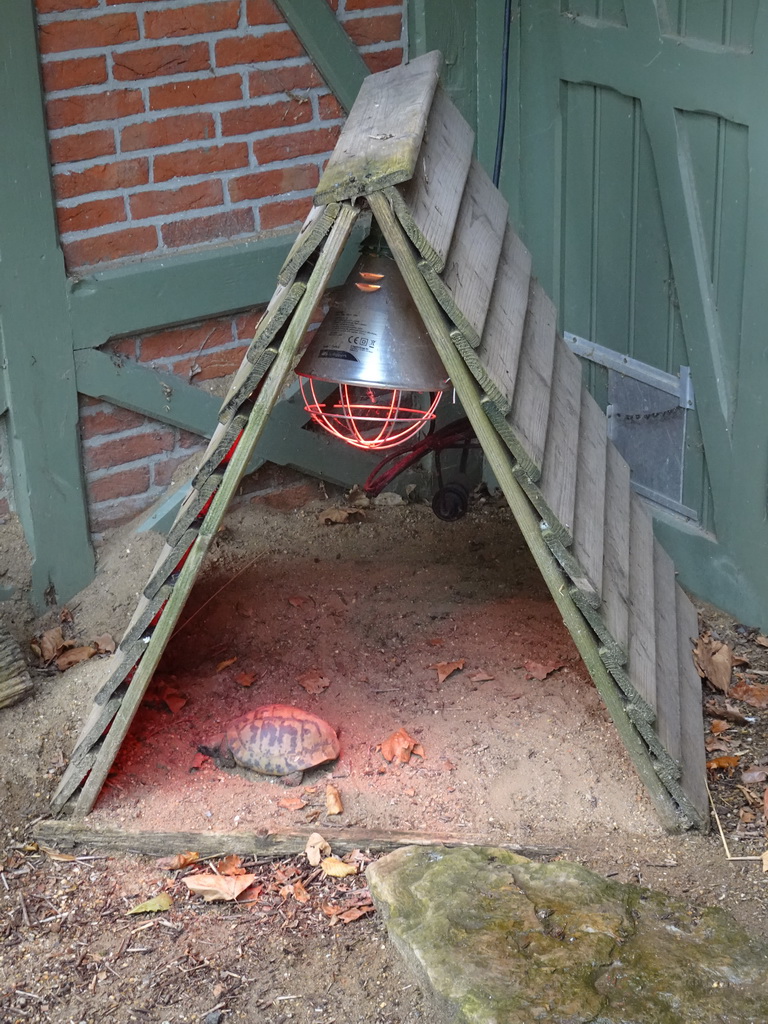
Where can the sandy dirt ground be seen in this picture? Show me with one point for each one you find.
(517, 748)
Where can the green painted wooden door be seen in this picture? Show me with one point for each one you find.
(638, 164)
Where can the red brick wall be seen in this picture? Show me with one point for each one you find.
(172, 126)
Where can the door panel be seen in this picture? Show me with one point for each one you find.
(643, 191)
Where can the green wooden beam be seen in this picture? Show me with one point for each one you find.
(329, 47)
(163, 396)
(140, 297)
(36, 341)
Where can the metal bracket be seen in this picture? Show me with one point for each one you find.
(680, 386)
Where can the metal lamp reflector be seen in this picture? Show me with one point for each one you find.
(374, 346)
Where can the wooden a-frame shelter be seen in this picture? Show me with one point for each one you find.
(405, 153)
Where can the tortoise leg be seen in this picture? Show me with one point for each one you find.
(294, 779)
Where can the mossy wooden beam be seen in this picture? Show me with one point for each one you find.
(68, 835)
(501, 464)
(271, 389)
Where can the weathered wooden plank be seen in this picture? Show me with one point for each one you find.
(530, 403)
(72, 778)
(611, 653)
(280, 307)
(70, 834)
(121, 663)
(561, 447)
(542, 506)
(616, 547)
(589, 514)
(273, 386)
(511, 439)
(667, 661)
(428, 205)
(146, 610)
(666, 767)
(224, 436)
(642, 621)
(169, 558)
(693, 779)
(498, 458)
(380, 141)
(572, 567)
(245, 381)
(316, 226)
(495, 361)
(192, 506)
(465, 287)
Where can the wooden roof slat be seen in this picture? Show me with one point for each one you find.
(524, 428)
(589, 515)
(192, 506)
(494, 362)
(615, 590)
(692, 756)
(667, 661)
(380, 141)
(465, 287)
(558, 469)
(316, 226)
(428, 205)
(642, 620)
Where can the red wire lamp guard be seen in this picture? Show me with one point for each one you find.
(374, 347)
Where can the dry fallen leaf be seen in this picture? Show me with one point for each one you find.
(104, 644)
(764, 858)
(333, 804)
(292, 803)
(729, 761)
(157, 903)
(225, 664)
(762, 640)
(55, 855)
(313, 682)
(230, 865)
(713, 744)
(714, 661)
(179, 861)
(299, 892)
(173, 700)
(332, 516)
(481, 677)
(719, 725)
(218, 887)
(751, 775)
(74, 656)
(746, 815)
(355, 912)
(447, 668)
(541, 669)
(754, 694)
(399, 747)
(316, 849)
(245, 678)
(50, 643)
(337, 868)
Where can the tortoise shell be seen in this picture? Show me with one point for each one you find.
(277, 739)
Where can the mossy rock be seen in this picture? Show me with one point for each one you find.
(500, 939)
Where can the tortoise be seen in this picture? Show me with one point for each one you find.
(275, 739)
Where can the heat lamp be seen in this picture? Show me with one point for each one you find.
(374, 348)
